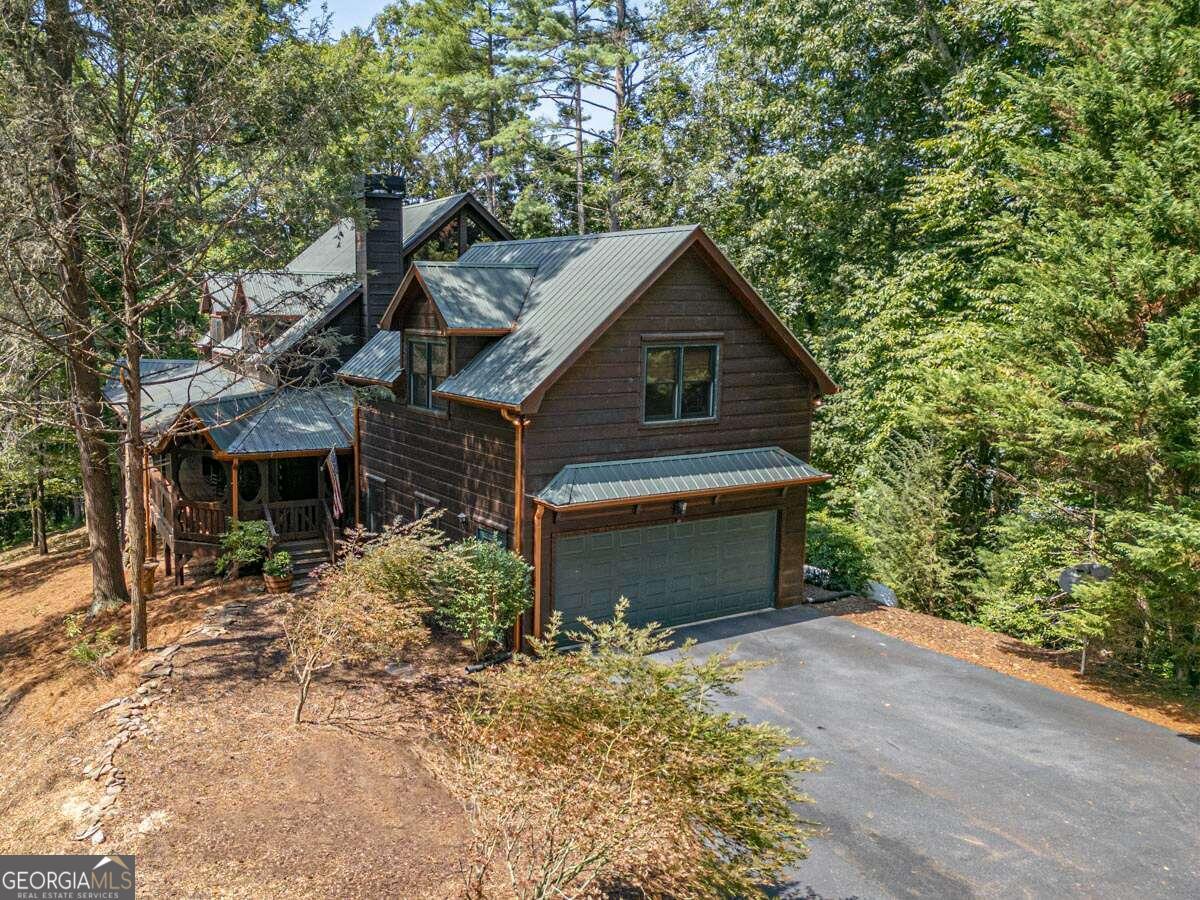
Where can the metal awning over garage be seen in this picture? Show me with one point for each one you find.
(670, 477)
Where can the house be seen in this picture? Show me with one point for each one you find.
(259, 428)
(621, 409)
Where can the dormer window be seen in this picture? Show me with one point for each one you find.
(680, 382)
(428, 365)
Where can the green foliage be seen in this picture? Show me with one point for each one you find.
(279, 565)
(1031, 547)
(841, 548)
(612, 765)
(244, 544)
(906, 509)
(489, 591)
(406, 564)
(93, 650)
(373, 605)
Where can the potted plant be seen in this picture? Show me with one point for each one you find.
(244, 545)
(277, 573)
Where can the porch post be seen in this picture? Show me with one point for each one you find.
(151, 543)
(357, 465)
(235, 489)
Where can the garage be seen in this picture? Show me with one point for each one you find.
(672, 573)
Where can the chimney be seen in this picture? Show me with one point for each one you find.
(380, 245)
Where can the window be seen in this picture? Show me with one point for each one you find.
(681, 382)
(428, 361)
(492, 535)
(376, 488)
(423, 503)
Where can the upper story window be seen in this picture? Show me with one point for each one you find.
(428, 362)
(681, 382)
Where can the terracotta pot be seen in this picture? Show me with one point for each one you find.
(278, 585)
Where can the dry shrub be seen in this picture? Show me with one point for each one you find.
(604, 771)
(372, 606)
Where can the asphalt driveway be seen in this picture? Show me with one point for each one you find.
(944, 779)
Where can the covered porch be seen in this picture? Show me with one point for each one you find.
(287, 460)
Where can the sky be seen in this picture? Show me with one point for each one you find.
(347, 14)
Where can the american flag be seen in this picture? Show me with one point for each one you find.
(331, 464)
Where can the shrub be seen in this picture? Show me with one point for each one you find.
(371, 606)
(489, 590)
(607, 771)
(841, 548)
(91, 651)
(244, 544)
(279, 565)
(906, 510)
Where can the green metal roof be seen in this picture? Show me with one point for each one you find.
(477, 297)
(380, 361)
(580, 282)
(290, 294)
(306, 325)
(170, 385)
(285, 421)
(611, 481)
(334, 250)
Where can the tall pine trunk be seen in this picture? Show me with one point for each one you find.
(135, 448)
(620, 91)
(577, 115)
(108, 584)
(39, 504)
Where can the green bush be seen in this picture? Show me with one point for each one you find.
(841, 548)
(244, 544)
(90, 650)
(906, 509)
(611, 772)
(279, 565)
(489, 590)
(373, 604)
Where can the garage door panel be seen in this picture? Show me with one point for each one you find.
(671, 573)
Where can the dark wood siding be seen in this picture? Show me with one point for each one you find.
(349, 324)
(421, 314)
(462, 458)
(594, 412)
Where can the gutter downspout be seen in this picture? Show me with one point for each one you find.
(519, 423)
(538, 510)
(357, 464)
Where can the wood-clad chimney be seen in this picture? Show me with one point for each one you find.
(380, 245)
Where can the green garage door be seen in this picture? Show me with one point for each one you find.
(672, 573)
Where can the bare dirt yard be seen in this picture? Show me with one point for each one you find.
(210, 784)
(188, 758)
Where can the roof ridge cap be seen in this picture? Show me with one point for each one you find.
(599, 235)
(459, 264)
(436, 199)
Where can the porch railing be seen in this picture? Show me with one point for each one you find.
(290, 520)
(204, 522)
(329, 531)
(201, 521)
